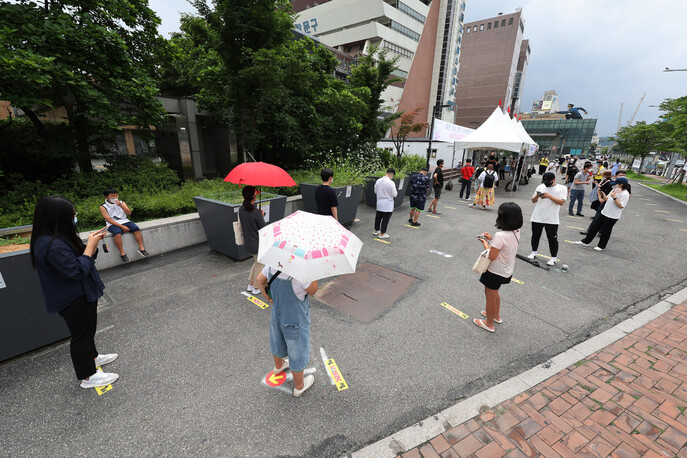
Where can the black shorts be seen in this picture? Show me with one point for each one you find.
(417, 203)
(437, 192)
(493, 281)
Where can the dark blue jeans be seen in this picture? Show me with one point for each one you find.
(576, 195)
(465, 186)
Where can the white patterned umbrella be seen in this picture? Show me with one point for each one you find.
(308, 247)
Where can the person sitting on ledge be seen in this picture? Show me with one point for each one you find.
(116, 215)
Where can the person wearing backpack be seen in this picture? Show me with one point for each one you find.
(485, 193)
(570, 173)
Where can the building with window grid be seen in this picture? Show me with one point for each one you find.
(560, 136)
(424, 34)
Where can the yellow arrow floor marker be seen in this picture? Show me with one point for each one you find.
(455, 310)
(255, 300)
(383, 241)
(661, 211)
(575, 227)
(519, 282)
(675, 220)
(412, 227)
(336, 375)
(102, 389)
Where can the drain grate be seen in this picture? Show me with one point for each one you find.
(366, 293)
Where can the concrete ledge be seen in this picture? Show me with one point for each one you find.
(662, 193)
(165, 235)
(678, 298)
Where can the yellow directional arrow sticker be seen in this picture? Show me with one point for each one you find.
(519, 282)
(102, 389)
(455, 310)
(336, 375)
(256, 301)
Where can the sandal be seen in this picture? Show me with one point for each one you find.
(482, 325)
(484, 314)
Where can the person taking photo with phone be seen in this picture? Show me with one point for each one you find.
(70, 283)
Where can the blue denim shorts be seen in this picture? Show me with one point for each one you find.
(289, 325)
(116, 230)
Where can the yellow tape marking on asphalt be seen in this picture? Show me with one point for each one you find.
(336, 375)
(654, 205)
(661, 211)
(543, 256)
(519, 282)
(643, 198)
(434, 216)
(383, 241)
(102, 389)
(675, 220)
(412, 227)
(569, 241)
(255, 300)
(683, 230)
(455, 310)
(452, 208)
(575, 227)
(570, 216)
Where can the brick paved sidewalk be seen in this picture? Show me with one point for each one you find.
(626, 400)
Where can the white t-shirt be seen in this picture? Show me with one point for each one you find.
(385, 189)
(545, 210)
(611, 210)
(507, 242)
(483, 175)
(116, 213)
(298, 287)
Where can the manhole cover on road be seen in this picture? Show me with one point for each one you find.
(366, 293)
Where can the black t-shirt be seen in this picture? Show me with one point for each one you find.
(325, 197)
(440, 178)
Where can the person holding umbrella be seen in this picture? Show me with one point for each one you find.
(297, 251)
(252, 220)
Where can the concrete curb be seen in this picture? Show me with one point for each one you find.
(662, 193)
(431, 427)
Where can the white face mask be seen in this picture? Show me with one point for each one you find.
(76, 220)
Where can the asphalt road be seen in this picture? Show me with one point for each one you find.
(194, 351)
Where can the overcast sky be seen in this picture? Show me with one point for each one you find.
(594, 53)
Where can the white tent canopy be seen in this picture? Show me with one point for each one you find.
(496, 132)
(532, 145)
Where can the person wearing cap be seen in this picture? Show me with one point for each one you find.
(605, 187)
(547, 199)
(386, 192)
(577, 192)
(610, 214)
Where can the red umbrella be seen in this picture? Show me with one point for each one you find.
(260, 174)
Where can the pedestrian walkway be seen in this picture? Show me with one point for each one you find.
(627, 399)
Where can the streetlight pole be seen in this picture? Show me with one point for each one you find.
(431, 131)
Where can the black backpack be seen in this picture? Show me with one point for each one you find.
(489, 180)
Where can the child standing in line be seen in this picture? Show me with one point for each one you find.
(502, 251)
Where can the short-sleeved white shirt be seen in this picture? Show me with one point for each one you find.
(611, 210)
(545, 210)
(298, 287)
(507, 242)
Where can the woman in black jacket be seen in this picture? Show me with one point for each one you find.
(252, 220)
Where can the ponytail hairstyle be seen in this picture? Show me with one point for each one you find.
(54, 217)
(248, 194)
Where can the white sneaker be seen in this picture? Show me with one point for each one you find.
(307, 383)
(599, 249)
(101, 360)
(283, 367)
(375, 233)
(249, 288)
(255, 291)
(532, 255)
(385, 236)
(99, 379)
(552, 262)
(580, 242)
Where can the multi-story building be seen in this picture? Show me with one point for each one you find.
(556, 135)
(494, 60)
(425, 34)
(547, 104)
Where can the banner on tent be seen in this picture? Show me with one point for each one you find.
(532, 150)
(447, 132)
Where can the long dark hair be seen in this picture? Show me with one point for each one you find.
(248, 194)
(509, 217)
(54, 217)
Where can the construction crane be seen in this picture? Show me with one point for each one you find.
(620, 117)
(632, 118)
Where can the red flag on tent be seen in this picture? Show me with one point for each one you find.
(508, 110)
(499, 102)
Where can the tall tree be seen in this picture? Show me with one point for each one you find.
(642, 138)
(95, 59)
(406, 124)
(675, 120)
